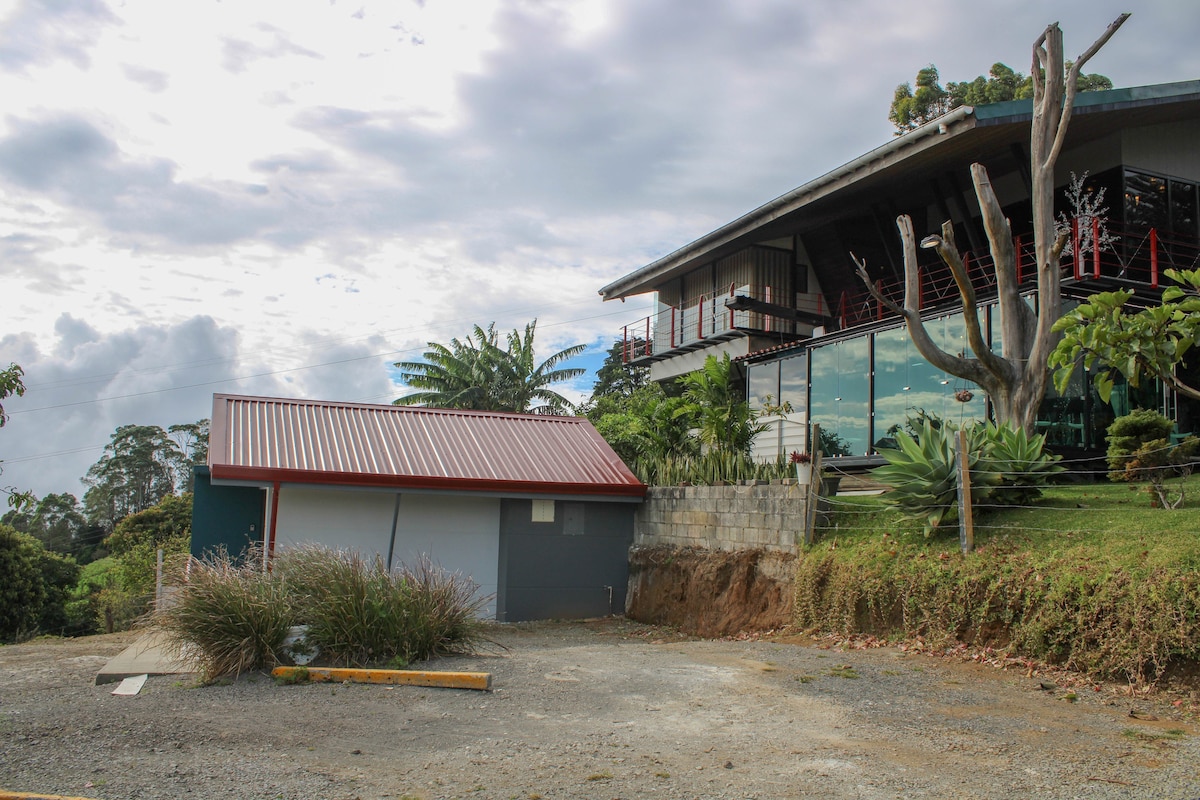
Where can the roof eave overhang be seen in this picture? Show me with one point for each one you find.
(649, 277)
(269, 475)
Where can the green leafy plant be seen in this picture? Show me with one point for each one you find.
(1006, 466)
(1140, 449)
(708, 468)
(1020, 464)
(921, 472)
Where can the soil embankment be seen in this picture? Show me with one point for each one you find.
(711, 592)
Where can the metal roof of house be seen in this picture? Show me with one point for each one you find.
(269, 439)
(955, 139)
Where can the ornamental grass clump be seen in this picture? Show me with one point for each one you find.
(230, 617)
(360, 614)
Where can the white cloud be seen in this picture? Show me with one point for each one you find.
(275, 185)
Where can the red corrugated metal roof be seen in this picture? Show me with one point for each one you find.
(268, 439)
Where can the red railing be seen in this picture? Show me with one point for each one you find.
(1134, 258)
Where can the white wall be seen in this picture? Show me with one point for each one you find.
(458, 533)
(344, 520)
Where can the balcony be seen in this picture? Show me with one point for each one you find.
(1132, 260)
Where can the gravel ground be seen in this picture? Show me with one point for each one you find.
(604, 709)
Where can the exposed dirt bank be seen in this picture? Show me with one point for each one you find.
(711, 592)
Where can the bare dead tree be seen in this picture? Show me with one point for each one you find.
(1016, 379)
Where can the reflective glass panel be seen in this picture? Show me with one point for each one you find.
(840, 394)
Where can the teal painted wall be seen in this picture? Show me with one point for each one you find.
(225, 516)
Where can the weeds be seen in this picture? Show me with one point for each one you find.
(1085, 580)
(843, 671)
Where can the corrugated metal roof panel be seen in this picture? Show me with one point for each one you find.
(270, 439)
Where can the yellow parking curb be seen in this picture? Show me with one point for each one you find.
(36, 796)
(407, 677)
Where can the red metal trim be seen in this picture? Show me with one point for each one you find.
(1075, 249)
(273, 521)
(1095, 247)
(1154, 258)
(226, 472)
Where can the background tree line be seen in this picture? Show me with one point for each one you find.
(72, 567)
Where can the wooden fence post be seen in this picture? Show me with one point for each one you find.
(813, 495)
(966, 525)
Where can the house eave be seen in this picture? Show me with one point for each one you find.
(649, 277)
(266, 476)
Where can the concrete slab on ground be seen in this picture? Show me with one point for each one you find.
(149, 655)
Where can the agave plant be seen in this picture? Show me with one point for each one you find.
(1019, 463)
(1006, 467)
(923, 472)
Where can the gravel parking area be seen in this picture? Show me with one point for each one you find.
(603, 709)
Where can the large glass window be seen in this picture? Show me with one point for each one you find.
(896, 364)
(1183, 209)
(762, 382)
(950, 333)
(793, 390)
(840, 395)
(907, 385)
(1145, 201)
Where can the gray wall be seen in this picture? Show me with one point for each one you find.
(769, 516)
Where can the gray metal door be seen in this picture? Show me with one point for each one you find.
(574, 566)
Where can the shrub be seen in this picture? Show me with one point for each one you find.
(33, 586)
(228, 618)
(358, 613)
(1140, 449)
(231, 617)
(707, 469)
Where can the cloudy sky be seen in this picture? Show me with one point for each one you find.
(283, 198)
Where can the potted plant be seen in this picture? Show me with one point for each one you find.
(803, 462)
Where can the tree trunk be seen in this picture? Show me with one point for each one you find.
(1015, 381)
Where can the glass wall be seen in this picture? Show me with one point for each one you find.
(859, 413)
(906, 384)
(781, 383)
(839, 395)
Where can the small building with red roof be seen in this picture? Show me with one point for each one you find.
(536, 509)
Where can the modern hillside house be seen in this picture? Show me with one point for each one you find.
(777, 289)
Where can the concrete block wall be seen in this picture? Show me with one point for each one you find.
(743, 517)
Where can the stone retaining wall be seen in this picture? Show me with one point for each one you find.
(744, 517)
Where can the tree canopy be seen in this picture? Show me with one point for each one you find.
(1109, 340)
(138, 469)
(479, 373)
(912, 108)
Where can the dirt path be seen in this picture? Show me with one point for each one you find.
(606, 709)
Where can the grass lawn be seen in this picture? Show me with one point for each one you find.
(1089, 576)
